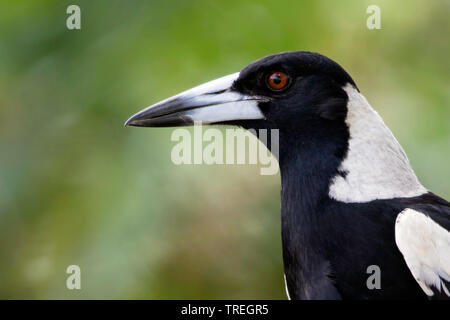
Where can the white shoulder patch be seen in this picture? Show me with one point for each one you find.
(425, 245)
(376, 166)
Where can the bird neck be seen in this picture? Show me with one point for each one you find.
(305, 174)
(307, 165)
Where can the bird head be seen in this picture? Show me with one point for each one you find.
(327, 129)
(290, 90)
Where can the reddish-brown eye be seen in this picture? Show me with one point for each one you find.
(277, 80)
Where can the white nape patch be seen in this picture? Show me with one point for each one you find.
(286, 288)
(376, 166)
(425, 245)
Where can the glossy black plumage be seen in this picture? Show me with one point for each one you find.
(327, 244)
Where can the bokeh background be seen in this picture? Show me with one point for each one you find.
(76, 187)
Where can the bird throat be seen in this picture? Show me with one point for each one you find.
(304, 196)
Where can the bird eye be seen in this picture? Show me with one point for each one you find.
(277, 81)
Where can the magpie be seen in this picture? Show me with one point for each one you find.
(350, 200)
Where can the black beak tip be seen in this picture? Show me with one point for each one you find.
(139, 119)
(127, 123)
(132, 122)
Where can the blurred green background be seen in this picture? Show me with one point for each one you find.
(76, 187)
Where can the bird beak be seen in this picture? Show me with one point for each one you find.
(211, 102)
